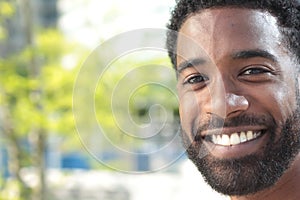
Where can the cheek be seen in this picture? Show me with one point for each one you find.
(278, 101)
(284, 92)
(286, 101)
(189, 110)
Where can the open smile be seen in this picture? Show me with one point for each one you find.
(235, 138)
(235, 142)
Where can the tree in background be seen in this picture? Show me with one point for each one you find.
(36, 89)
(35, 98)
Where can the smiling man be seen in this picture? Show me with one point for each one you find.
(237, 63)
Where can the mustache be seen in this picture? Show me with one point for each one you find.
(216, 122)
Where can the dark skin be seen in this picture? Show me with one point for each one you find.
(237, 64)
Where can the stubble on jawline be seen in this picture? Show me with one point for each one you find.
(251, 173)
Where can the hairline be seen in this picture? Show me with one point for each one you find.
(283, 30)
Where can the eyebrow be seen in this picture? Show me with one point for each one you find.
(254, 53)
(245, 54)
(189, 64)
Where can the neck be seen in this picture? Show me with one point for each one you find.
(286, 188)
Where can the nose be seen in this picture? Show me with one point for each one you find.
(227, 104)
(235, 103)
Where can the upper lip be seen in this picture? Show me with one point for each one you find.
(231, 130)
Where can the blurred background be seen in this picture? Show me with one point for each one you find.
(51, 151)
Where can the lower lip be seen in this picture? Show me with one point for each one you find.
(236, 151)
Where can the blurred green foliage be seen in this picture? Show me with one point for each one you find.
(54, 85)
(41, 100)
(35, 97)
(6, 11)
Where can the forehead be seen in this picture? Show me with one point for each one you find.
(218, 31)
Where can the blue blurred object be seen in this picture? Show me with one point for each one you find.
(74, 161)
(143, 162)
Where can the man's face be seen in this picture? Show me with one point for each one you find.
(237, 87)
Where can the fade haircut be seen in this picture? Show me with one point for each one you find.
(287, 13)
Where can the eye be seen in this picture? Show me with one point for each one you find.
(257, 74)
(255, 71)
(196, 78)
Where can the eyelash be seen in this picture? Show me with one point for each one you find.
(251, 73)
(191, 79)
(261, 71)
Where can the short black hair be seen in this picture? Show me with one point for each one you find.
(287, 13)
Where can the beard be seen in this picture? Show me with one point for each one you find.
(251, 173)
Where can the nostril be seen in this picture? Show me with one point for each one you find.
(227, 104)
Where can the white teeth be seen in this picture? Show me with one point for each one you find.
(250, 135)
(215, 139)
(243, 137)
(234, 138)
(219, 139)
(225, 140)
(254, 135)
